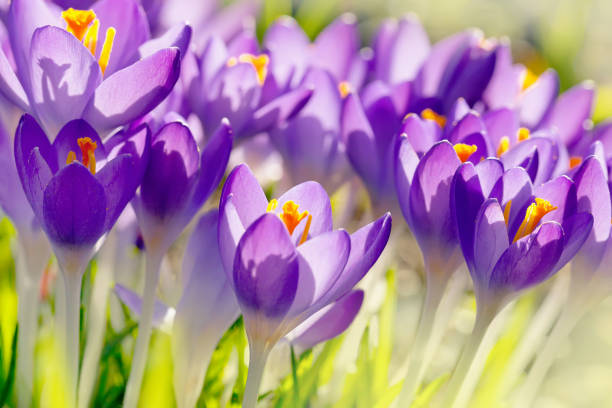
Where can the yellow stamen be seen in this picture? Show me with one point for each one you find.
(574, 161)
(344, 88)
(429, 114)
(533, 215)
(106, 48)
(306, 229)
(259, 63)
(529, 79)
(91, 38)
(71, 157)
(291, 217)
(88, 148)
(464, 151)
(272, 205)
(523, 134)
(78, 21)
(507, 212)
(504, 145)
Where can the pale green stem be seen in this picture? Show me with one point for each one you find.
(27, 316)
(484, 316)
(549, 352)
(96, 329)
(132, 393)
(257, 364)
(534, 335)
(72, 282)
(420, 355)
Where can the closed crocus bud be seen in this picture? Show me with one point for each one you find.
(77, 190)
(176, 183)
(284, 261)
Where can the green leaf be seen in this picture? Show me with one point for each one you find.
(10, 378)
(382, 354)
(423, 399)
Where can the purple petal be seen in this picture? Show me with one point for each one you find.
(409, 50)
(406, 161)
(491, 240)
(28, 136)
(266, 269)
(329, 323)
(74, 207)
(133, 91)
(280, 109)
(336, 46)
(489, 172)
(576, 229)
(248, 199)
(321, 262)
(515, 186)
(132, 30)
(64, 76)
(421, 134)
(178, 36)
(288, 45)
(561, 193)
(229, 232)
(500, 123)
(505, 84)
(134, 303)
(571, 111)
(528, 261)
(522, 153)
(469, 124)
(367, 244)
(10, 87)
(538, 99)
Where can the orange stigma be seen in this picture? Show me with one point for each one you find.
(88, 148)
(523, 134)
(574, 161)
(464, 151)
(533, 215)
(259, 63)
(429, 114)
(344, 88)
(504, 145)
(84, 25)
(291, 217)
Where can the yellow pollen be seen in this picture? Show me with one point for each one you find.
(574, 161)
(272, 205)
(533, 215)
(529, 79)
(429, 114)
(306, 229)
(79, 25)
(78, 21)
(464, 151)
(523, 134)
(344, 88)
(91, 38)
(259, 63)
(507, 212)
(504, 145)
(88, 148)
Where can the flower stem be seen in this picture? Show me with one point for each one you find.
(95, 335)
(484, 317)
(257, 363)
(72, 282)
(132, 393)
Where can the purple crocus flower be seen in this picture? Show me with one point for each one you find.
(285, 262)
(235, 81)
(94, 64)
(513, 236)
(77, 188)
(176, 183)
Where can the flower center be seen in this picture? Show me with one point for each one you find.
(523, 134)
(259, 63)
(84, 25)
(88, 148)
(529, 79)
(464, 151)
(429, 114)
(504, 145)
(533, 215)
(291, 217)
(344, 88)
(575, 161)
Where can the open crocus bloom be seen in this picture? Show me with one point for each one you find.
(282, 257)
(77, 186)
(514, 235)
(87, 64)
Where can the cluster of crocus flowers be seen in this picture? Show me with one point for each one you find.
(489, 166)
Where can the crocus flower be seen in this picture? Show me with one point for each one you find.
(88, 64)
(77, 187)
(513, 236)
(285, 262)
(235, 81)
(176, 183)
